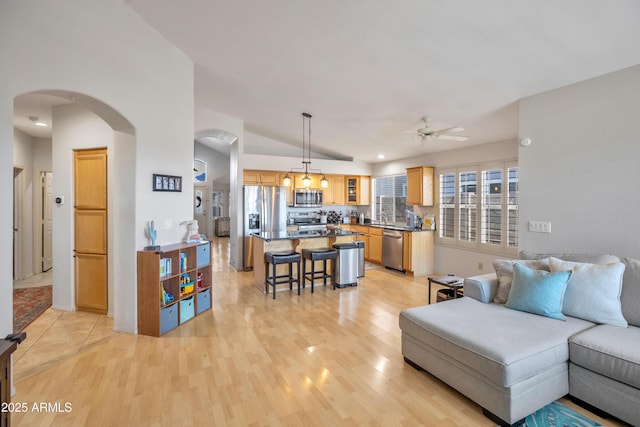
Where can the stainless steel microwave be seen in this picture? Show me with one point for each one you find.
(307, 198)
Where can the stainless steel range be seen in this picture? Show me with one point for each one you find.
(303, 218)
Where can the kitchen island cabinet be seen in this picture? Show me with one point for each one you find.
(418, 252)
(292, 241)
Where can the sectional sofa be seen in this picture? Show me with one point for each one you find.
(513, 360)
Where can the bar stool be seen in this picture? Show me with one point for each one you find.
(320, 254)
(275, 258)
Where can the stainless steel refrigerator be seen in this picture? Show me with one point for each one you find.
(265, 210)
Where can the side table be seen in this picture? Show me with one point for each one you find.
(454, 283)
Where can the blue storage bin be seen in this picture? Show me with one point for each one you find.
(204, 301)
(204, 255)
(168, 318)
(187, 309)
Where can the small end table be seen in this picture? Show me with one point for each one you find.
(454, 283)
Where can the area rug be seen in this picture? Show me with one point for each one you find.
(556, 414)
(28, 304)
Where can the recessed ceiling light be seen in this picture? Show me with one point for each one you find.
(381, 156)
(36, 121)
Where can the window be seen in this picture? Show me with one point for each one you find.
(390, 198)
(478, 207)
(447, 206)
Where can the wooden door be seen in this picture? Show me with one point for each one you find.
(90, 229)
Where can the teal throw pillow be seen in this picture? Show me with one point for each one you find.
(538, 292)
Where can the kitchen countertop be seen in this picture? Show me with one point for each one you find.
(295, 235)
(394, 227)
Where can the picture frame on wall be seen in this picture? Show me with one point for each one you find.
(171, 183)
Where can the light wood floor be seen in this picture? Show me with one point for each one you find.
(324, 359)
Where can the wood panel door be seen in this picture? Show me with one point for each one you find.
(90, 230)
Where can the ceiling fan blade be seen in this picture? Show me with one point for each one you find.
(452, 137)
(453, 129)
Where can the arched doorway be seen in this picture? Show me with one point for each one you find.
(76, 121)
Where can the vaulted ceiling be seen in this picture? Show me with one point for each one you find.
(367, 70)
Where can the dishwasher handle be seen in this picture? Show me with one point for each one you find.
(394, 234)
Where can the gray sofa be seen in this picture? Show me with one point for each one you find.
(513, 363)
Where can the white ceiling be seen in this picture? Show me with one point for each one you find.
(366, 70)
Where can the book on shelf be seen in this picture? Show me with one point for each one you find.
(165, 267)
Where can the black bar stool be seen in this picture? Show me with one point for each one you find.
(275, 258)
(320, 254)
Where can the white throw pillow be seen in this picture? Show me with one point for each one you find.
(593, 291)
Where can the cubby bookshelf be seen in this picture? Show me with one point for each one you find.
(182, 270)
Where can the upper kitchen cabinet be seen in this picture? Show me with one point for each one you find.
(357, 190)
(334, 194)
(251, 177)
(420, 186)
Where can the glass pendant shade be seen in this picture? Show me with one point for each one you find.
(286, 181)
(306, 181)
(324, 182)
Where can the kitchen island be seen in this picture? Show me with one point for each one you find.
(293, 241)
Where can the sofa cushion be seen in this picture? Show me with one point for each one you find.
(489, 338)
(591, 258)
(610, 351)
(630, 297)
(538, 292)
(504, 271)
(593, 291)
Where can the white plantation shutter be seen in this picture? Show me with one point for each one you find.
(478, 207)
(491, 207)
(512, 207)
(447, 206)
(467, 206)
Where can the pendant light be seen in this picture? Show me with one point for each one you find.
(306, 159)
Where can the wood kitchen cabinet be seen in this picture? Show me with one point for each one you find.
(357, 189)
(420, 186)
(253, 177)
(406, 251)
(418, 253)
(334, 194)
(375, 244)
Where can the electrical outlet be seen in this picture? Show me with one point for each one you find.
(540, 226)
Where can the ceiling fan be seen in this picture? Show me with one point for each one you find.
(426, 133)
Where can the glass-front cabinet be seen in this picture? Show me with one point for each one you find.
(357, 189)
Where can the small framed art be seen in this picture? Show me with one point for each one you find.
(167, 182)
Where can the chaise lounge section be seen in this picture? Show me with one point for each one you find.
(513, 363)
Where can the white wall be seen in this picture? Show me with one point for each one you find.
(134, 71)
(582, 169)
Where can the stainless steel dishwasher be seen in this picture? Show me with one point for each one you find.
(392, 248)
